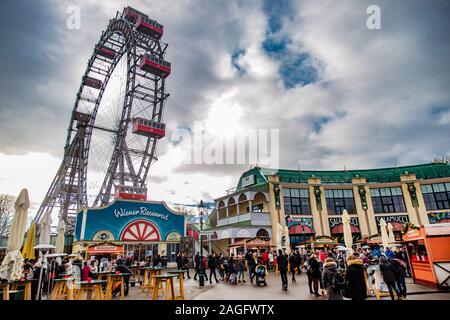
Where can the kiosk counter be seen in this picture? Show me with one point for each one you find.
(429, 254)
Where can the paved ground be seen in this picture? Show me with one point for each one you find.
(297, 291)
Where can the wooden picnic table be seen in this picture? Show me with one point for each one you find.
(111, 280)
(149, 278)
(102, 274)
(26, 283)
(62, 289)
(180, 275)
(4, 286)
(168, 279)
(93, 289)
(148, 273)
(136, 272)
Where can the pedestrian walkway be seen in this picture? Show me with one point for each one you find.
(296, 291)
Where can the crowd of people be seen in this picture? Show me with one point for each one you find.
(331, 272)
(334, 273)
(82, 270)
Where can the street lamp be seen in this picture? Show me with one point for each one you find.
(201, 278)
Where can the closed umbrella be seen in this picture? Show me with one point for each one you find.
(391, 233)
(348, 238)
(384, 235)
(45, 224)
(60, 237)
(11, 268)
(28, 251)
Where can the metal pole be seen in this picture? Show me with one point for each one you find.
(202, 271)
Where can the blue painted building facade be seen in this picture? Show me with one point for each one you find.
(139, 225)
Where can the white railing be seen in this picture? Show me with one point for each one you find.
(256, 218)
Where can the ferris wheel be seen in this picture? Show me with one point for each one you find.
(117, 119)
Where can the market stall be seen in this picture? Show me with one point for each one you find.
(105, 249)
(257, 244)
(429, 254)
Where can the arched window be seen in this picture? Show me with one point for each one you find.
(262, 233)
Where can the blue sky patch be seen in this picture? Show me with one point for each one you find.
(296, 68)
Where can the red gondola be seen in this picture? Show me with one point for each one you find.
(149, 128)
(130, 193)
(92, 82)
(149, 27)
(131, 14)
(155, 65)
(105, 52)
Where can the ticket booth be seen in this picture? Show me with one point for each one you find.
(429, 254)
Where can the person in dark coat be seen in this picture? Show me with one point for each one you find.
(292, 265)
(35, 284)
(282, 262)
(185, 263)
(179, 261)
(314, 269)
(298, 260)
(388, 272)
(212, 265)
(157, 261)
(199, 263)
(355, 278)
(122, 268)
(400, 274)
(328, 274)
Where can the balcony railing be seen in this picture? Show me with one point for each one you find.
(256, 218)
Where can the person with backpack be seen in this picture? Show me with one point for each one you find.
(388, 273)
(332, 281)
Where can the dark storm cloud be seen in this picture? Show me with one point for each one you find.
(355, 97)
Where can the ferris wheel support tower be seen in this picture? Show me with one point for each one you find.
(111, 142)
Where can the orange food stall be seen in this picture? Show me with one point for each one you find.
(429, 254)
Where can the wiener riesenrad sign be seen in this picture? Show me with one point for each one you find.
(125, 220)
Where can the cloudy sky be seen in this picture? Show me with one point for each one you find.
(339, 93)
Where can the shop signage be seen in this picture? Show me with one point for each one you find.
(248, 181)
(143, 211)
(303, 221)
(436, 217)
(413, 233)
(336, 221)
(105, 248)
(400, 219)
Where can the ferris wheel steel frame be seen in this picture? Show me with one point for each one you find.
(68, 190)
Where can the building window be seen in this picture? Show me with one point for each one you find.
(340, 199)
(436, 196)
(262, 233)
(387, 200)
(296, 201)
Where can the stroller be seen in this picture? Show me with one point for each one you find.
(261, 272)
